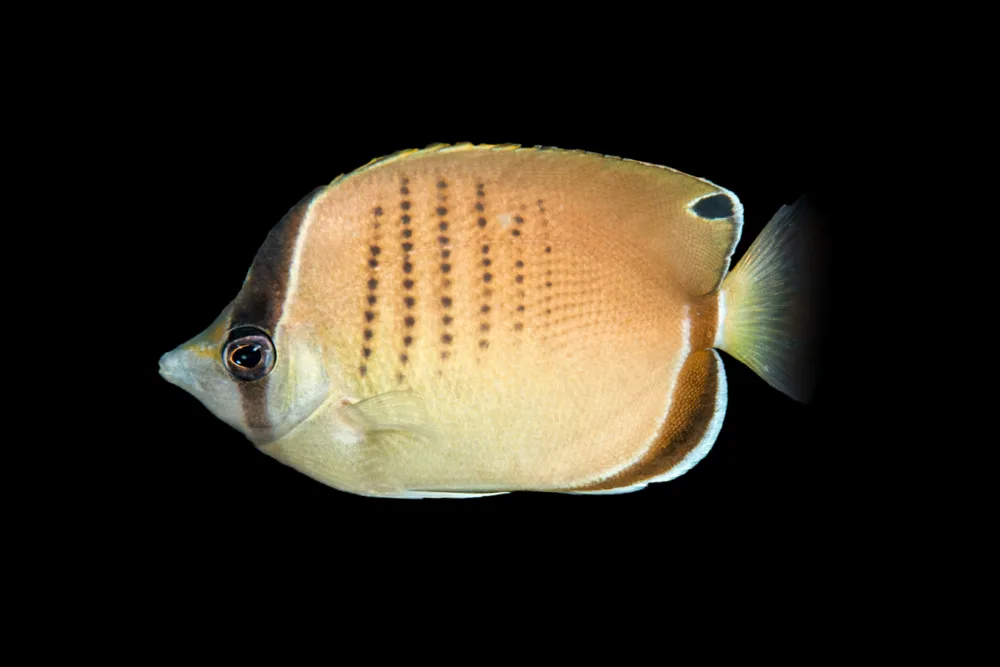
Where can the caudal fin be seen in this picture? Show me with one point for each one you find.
(771, 302)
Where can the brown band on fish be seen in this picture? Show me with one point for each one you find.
(262, 299)
(691, 411)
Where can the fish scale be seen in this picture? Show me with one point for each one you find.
(476, 319)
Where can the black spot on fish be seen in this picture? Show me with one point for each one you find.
(404, 190)
(446, 339)
(519, 279)
(404, 358)
(378, 211)
(481, 222)
(446, 254)
(548, 248)
(407, 246)
(405, 205)
(519, 264)
(408, 284)
(484, 344)
(409, 321)
(443, 226)
(518, 219)
(372, 299)
(714, 207)
(366, 351)
(443, 240)
(487, 277)
(407, 233)
(484, 309)
(486, 249)
(369, 316)
(479, 206)
(375, 249)
(442, 184)
(447, 319)
(484, 327)
(487, 261)
(407, 267)
(405, 219)
(446, 301)
(548, 284)
(520, 309)
(409, 301)
(441, 210)
(446, 267)
(373, 263)
(408, 340)
(372, 284)
(368, 334)
(516, 232)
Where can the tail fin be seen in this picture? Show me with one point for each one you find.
(771, 302)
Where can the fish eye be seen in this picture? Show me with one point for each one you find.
(248, 354)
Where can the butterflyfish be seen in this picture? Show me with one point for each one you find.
(471, 320)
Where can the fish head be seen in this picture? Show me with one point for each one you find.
(263, 383)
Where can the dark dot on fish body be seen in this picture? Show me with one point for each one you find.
(487, 277)
(441, 210)
(484, 326)
(484, 344)
(409, 301)
(516, 232)
(446, 301)
(548, 284)
(487, 261)
(447, 319)
(446, 339)
(409, 321)
(369, 315)
(378, 211)
(408, 340)
(519, 279)
(519, 264)
(366, 351)
(405, 205)
(518, 219)
(445, 254)
(407, 267)
(368, 334)
(372, 284)
(480, 186)
(408, 284)
(407, 246)
(446, 268)
(372, 299)
(481, 222)
(404, 191)
(443, 226)
(405, 219)
(404, 358)
(373, 263)
(407, 233)
(479, 206)
(485, 308)
(443, 240)
(714, 207)
(548, 248)
(486, 249)
(375, 249)
(442, 184)
(520, 309)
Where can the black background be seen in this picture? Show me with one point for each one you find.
(219, 163)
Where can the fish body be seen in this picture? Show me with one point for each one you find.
(469, 320)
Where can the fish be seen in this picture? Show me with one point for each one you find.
(473, 320)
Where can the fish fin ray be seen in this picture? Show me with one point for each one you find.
(772, 301)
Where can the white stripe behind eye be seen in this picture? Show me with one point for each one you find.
(293, 265)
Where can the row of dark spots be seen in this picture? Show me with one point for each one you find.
(406, 243)
(444, 242)
(374, 251)
(487, 262)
